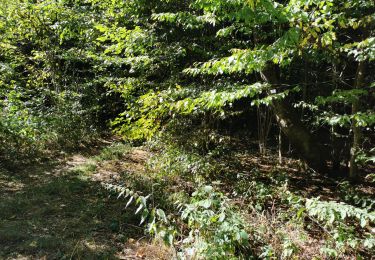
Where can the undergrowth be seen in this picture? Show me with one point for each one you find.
(205, 208)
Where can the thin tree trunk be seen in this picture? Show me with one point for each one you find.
(264, 115)
(334, 142)
(353, 172)
(288, 119)
(335, 151)
(280, 147)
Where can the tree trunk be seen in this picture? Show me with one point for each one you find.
(335, 153)
(353, 172)
(264, 116)
(288, 119)
(280, 147)
(335, 150)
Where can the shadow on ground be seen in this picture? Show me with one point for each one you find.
(50, 212)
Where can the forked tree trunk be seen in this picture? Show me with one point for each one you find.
(288, 119)
(353, 172)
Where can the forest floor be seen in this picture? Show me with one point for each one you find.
(59, 210)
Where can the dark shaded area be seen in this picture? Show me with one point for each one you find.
(47, 212)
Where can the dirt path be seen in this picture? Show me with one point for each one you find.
(59, 210)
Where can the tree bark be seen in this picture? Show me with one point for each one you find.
(288, 119)
(353, 172)
(280, 147)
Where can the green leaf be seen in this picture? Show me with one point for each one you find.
(205, 203)
(144, 216)
(129, 201)
(363, 222)
(139, 209)
(244, 235)
(162, 215)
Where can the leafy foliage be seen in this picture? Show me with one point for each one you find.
(192, 78)
(217, 231)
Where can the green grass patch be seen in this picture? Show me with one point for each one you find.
(113, 152)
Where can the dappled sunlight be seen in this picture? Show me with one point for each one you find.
(198, 129)
(56, 213)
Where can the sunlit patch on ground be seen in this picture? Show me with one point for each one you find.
(62, 212)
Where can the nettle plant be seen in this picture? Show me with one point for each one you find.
(346, 228)
(204, 226)
(217, 231)
(349, 227)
